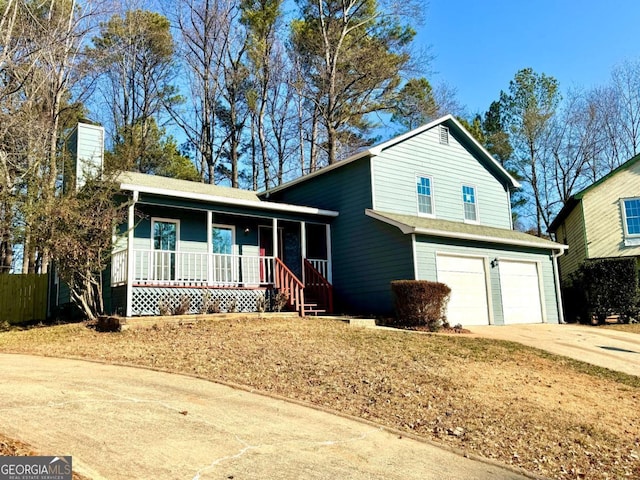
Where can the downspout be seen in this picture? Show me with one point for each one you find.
(556, 278)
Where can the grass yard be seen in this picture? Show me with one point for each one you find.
(546, 414)
(629, 327)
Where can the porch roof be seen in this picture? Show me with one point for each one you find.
(463, 231)
(170, 187)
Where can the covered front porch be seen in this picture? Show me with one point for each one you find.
(226, 255)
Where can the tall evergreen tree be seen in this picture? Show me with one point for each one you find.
(352, 55)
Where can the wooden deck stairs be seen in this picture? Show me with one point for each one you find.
(313, 297)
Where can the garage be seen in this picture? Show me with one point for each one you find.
(520, 288)
(466, 276)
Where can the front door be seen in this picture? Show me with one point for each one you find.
(165, 241)
(266, 241)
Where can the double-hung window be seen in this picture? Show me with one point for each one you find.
(631, 214)
(469, 202)
(425, 195)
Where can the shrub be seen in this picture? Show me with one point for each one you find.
(280, 300)
(420, 303)
(210, 304)
(601, 288)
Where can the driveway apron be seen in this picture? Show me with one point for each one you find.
(607, 348)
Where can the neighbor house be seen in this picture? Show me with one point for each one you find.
(431, 204)
(601, 221)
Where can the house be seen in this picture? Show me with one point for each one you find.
(431, 204)
(601, 221)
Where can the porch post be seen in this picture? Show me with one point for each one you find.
(209, 256)
(275, 238)
(303, 247)
(131, 260)
(329, 260)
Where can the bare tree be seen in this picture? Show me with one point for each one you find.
(204, 28)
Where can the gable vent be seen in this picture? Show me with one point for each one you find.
(444, 135)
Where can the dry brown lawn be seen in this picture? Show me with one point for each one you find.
(546, 414)
(629, 327)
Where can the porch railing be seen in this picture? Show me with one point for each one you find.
(167, 267)
(322, 266)
(119, 268)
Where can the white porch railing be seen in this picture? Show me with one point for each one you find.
(119, 268)
(320, 265)
(164, 267)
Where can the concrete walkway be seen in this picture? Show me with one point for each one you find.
(611, 349)
(122, 423)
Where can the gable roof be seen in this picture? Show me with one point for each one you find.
(171, 187)
(448, 120)
(464, 231)
(575, 199)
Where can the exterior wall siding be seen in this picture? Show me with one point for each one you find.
(572, 233)
(603, 215)
(428, 247)
(369, 253)
(450, 166)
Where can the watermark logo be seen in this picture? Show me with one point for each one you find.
(35, 468)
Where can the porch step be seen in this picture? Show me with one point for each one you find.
(311, 308)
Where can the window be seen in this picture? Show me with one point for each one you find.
(631, 213)
(469, 201)
(165, 244)
(425, 201)
(444, 135)
(222, 238)
(224, 265)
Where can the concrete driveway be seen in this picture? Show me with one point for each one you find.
(123, 423)
(612, 349)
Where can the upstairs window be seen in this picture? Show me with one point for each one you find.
(469, 201)
(425, 198)
(631, 214)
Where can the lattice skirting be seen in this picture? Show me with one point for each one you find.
(148, 300)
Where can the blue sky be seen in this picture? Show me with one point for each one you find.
(479, 45)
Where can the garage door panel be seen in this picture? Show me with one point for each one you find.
(467, 279)
(520, 288)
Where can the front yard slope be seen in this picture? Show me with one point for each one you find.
(546, 414)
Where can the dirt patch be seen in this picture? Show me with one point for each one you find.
(549, 415)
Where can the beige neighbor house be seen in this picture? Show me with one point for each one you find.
(601, 221)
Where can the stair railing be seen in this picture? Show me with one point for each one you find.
(288, 283)
(318, 286)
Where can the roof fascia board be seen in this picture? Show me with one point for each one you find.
(407, 229)
(263, 205)
(377, 150)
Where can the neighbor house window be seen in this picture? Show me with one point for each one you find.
(631, 213)
(425, 198)
(469, 201)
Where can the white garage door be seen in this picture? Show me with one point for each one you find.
(467, 279)
(520, 292)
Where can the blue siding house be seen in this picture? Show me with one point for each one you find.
(431, 204)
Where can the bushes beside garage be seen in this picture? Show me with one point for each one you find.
(420, 303)
(602, 288)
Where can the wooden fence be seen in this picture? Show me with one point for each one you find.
(23, 298)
